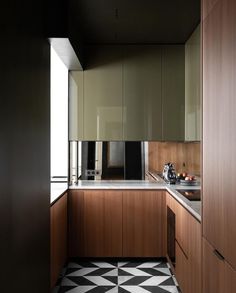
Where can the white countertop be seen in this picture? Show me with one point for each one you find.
(194, 207)
(57, 189)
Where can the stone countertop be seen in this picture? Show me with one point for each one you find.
(194, 207)
(56, 190)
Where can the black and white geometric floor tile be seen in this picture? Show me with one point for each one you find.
(117, 277)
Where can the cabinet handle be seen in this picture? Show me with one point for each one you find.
(219, 255)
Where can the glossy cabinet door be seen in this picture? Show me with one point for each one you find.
(219, 276)
(58, 215)
(142, 116)
(76, 105)
(144, 224)
(192, 87)
(219, 136)
(173, 100)
(103, 94)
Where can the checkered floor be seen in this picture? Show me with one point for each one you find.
(114, 277)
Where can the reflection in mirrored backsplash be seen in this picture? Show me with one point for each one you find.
(103, 160)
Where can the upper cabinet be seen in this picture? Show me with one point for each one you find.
(129, 93)
(173, 92)
(192, 88)
(103, 94)
(142, 93)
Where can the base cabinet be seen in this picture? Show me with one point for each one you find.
(218, 275)
(187, 248)
(143, 224)
(58, 215)
(117, 223)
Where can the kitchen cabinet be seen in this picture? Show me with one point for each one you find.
(143, 224)
(103, 94)
(173, 100)
(219, 137)
(192, 88)
(58, 219)
(76, 105)
(188, 247)
(129, 93)
(142, 103)
(219, 276)
(95, 226)
(117, 223)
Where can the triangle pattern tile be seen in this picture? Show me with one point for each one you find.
(135, 289)
(82, 289)
(168, 282)
(64, 289)
(123, 279)
(165, 271)
(153, 272)
(81, 281)
(154, 281)
(99, 281)
(111, 273)
(155, 289)
(135, 281)
(67, 282)
(101, 264)
(148, 264)
(135, 272)
(172, 289)
(82, 272)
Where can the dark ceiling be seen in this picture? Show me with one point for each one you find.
(137, 21)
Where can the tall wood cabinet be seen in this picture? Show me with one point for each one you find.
(219, 137)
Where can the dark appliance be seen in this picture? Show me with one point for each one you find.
(134, 160)
(171, 235)
(192, 195)
(169, 173)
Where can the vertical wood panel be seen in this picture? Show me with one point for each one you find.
(76, 223)
(160, 153)
(58, 237)
(219, 138)
(143, 224)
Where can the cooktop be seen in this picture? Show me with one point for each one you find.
(190, 194)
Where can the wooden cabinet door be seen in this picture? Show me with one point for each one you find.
(103, 94)
(219, 137)
(173, 80)
(144, 224)
(58, 215)
(219, 276)
(102, 223)
(182, 269)
(76, 223)
(142, 93)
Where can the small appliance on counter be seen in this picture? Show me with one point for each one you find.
(169, 174)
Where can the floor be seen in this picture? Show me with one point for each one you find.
(116, 276)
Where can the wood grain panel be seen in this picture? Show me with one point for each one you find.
(76, 223)
(58, 237)
(219, 276)
(160, 153)
(144, 224)
(219, 138)
(181, 269)
(102, 223)
(207, 6)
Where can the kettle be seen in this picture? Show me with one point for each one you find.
(169, 174)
